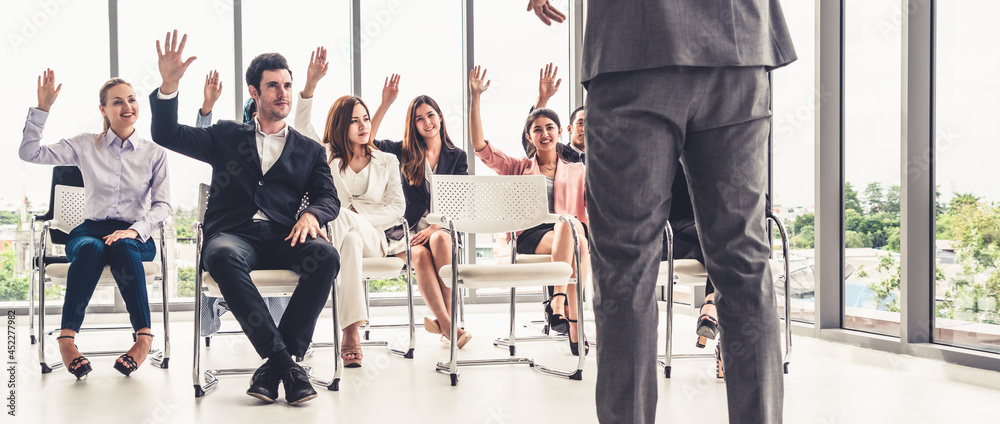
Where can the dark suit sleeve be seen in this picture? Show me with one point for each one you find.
(462, 167)
(388, 146)
(191, 142)
(323, 200)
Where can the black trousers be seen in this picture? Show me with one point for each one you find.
(230, 256)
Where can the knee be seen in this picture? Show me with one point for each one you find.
(441, 243)
(352, 244)
(223, 256)
(88, 247)
(420, 255)
(125, 246)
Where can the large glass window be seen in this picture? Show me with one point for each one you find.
(209, 27)
(967, 245)
(421, 41)
(793, 162)
(71, 39)
(513, 62)
(872, 84)
(315, 24)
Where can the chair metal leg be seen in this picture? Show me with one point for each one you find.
(41, 301)
(368, 311)
(199, 388)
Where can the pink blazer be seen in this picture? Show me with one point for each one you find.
(568, 188)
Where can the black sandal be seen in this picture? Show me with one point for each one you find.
(557, 322)
(708, 327)
(77, 367)
(128, 364)
(574, 347)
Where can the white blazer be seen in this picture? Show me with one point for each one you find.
(383, 203)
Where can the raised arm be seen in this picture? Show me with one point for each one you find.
(31, 149)
(389, 92)
(193, 142)
(171, 66)
(212, 91)
(477, 85)
(548, 85)
(303, 111)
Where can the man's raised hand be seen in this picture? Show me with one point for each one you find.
(172, 67)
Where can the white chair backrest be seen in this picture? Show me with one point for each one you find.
(67, 212)
(491, 204)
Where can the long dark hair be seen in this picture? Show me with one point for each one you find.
(414, 145)
(529, 148)
(338, 121)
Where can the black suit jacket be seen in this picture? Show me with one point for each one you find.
(453, 161)
(239, 189)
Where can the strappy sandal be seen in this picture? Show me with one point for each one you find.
(720, 369)
(77, 367)
(128, 364)
(557, 322)
(708, 327)
(574, 347)
(351, 355)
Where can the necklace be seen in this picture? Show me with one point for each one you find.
(550, 168)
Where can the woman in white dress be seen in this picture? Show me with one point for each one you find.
(371, 198)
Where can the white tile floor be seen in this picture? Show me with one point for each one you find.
(829, 384)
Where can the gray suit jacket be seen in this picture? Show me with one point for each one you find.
(641, 34)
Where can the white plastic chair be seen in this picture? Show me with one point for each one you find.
(269, 283)
(68, 203)
(693, 273)
(501, 204)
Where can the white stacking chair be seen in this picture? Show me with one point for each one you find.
(68, 202)
(501, 204)
(384, 269)
(269, 283)
(692, 273)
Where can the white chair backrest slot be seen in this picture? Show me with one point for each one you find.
(491, 204)
(68, 210)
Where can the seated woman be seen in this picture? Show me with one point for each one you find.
(427, 150)
(565, 181)
(127, 197)
(371, 197)
(688, 246)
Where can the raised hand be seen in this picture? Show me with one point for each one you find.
(548, 85)
(391, 89)
(477, 85)
(47, 90)
(545, 11)
(316, 71)
(213, 90)
(171, 66)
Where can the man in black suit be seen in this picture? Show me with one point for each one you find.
(260, 173)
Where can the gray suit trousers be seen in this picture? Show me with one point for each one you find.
(638, 123)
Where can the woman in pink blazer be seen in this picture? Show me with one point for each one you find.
(565, 183)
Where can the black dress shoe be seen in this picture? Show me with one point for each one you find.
(264, 383)
(298, 389)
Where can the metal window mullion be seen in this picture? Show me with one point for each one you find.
(238, 58)
(829, 162)
(917, 175)
(113, 37)
(355, 28)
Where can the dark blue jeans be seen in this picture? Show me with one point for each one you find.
(88, 255)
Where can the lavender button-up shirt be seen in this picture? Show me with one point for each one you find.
(123, 180)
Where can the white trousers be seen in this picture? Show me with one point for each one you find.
(355, 238)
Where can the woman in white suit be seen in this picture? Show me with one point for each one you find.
(371, 199)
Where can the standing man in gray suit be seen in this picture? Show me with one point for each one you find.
(669, 79)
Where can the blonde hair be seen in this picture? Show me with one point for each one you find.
(111, 83)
